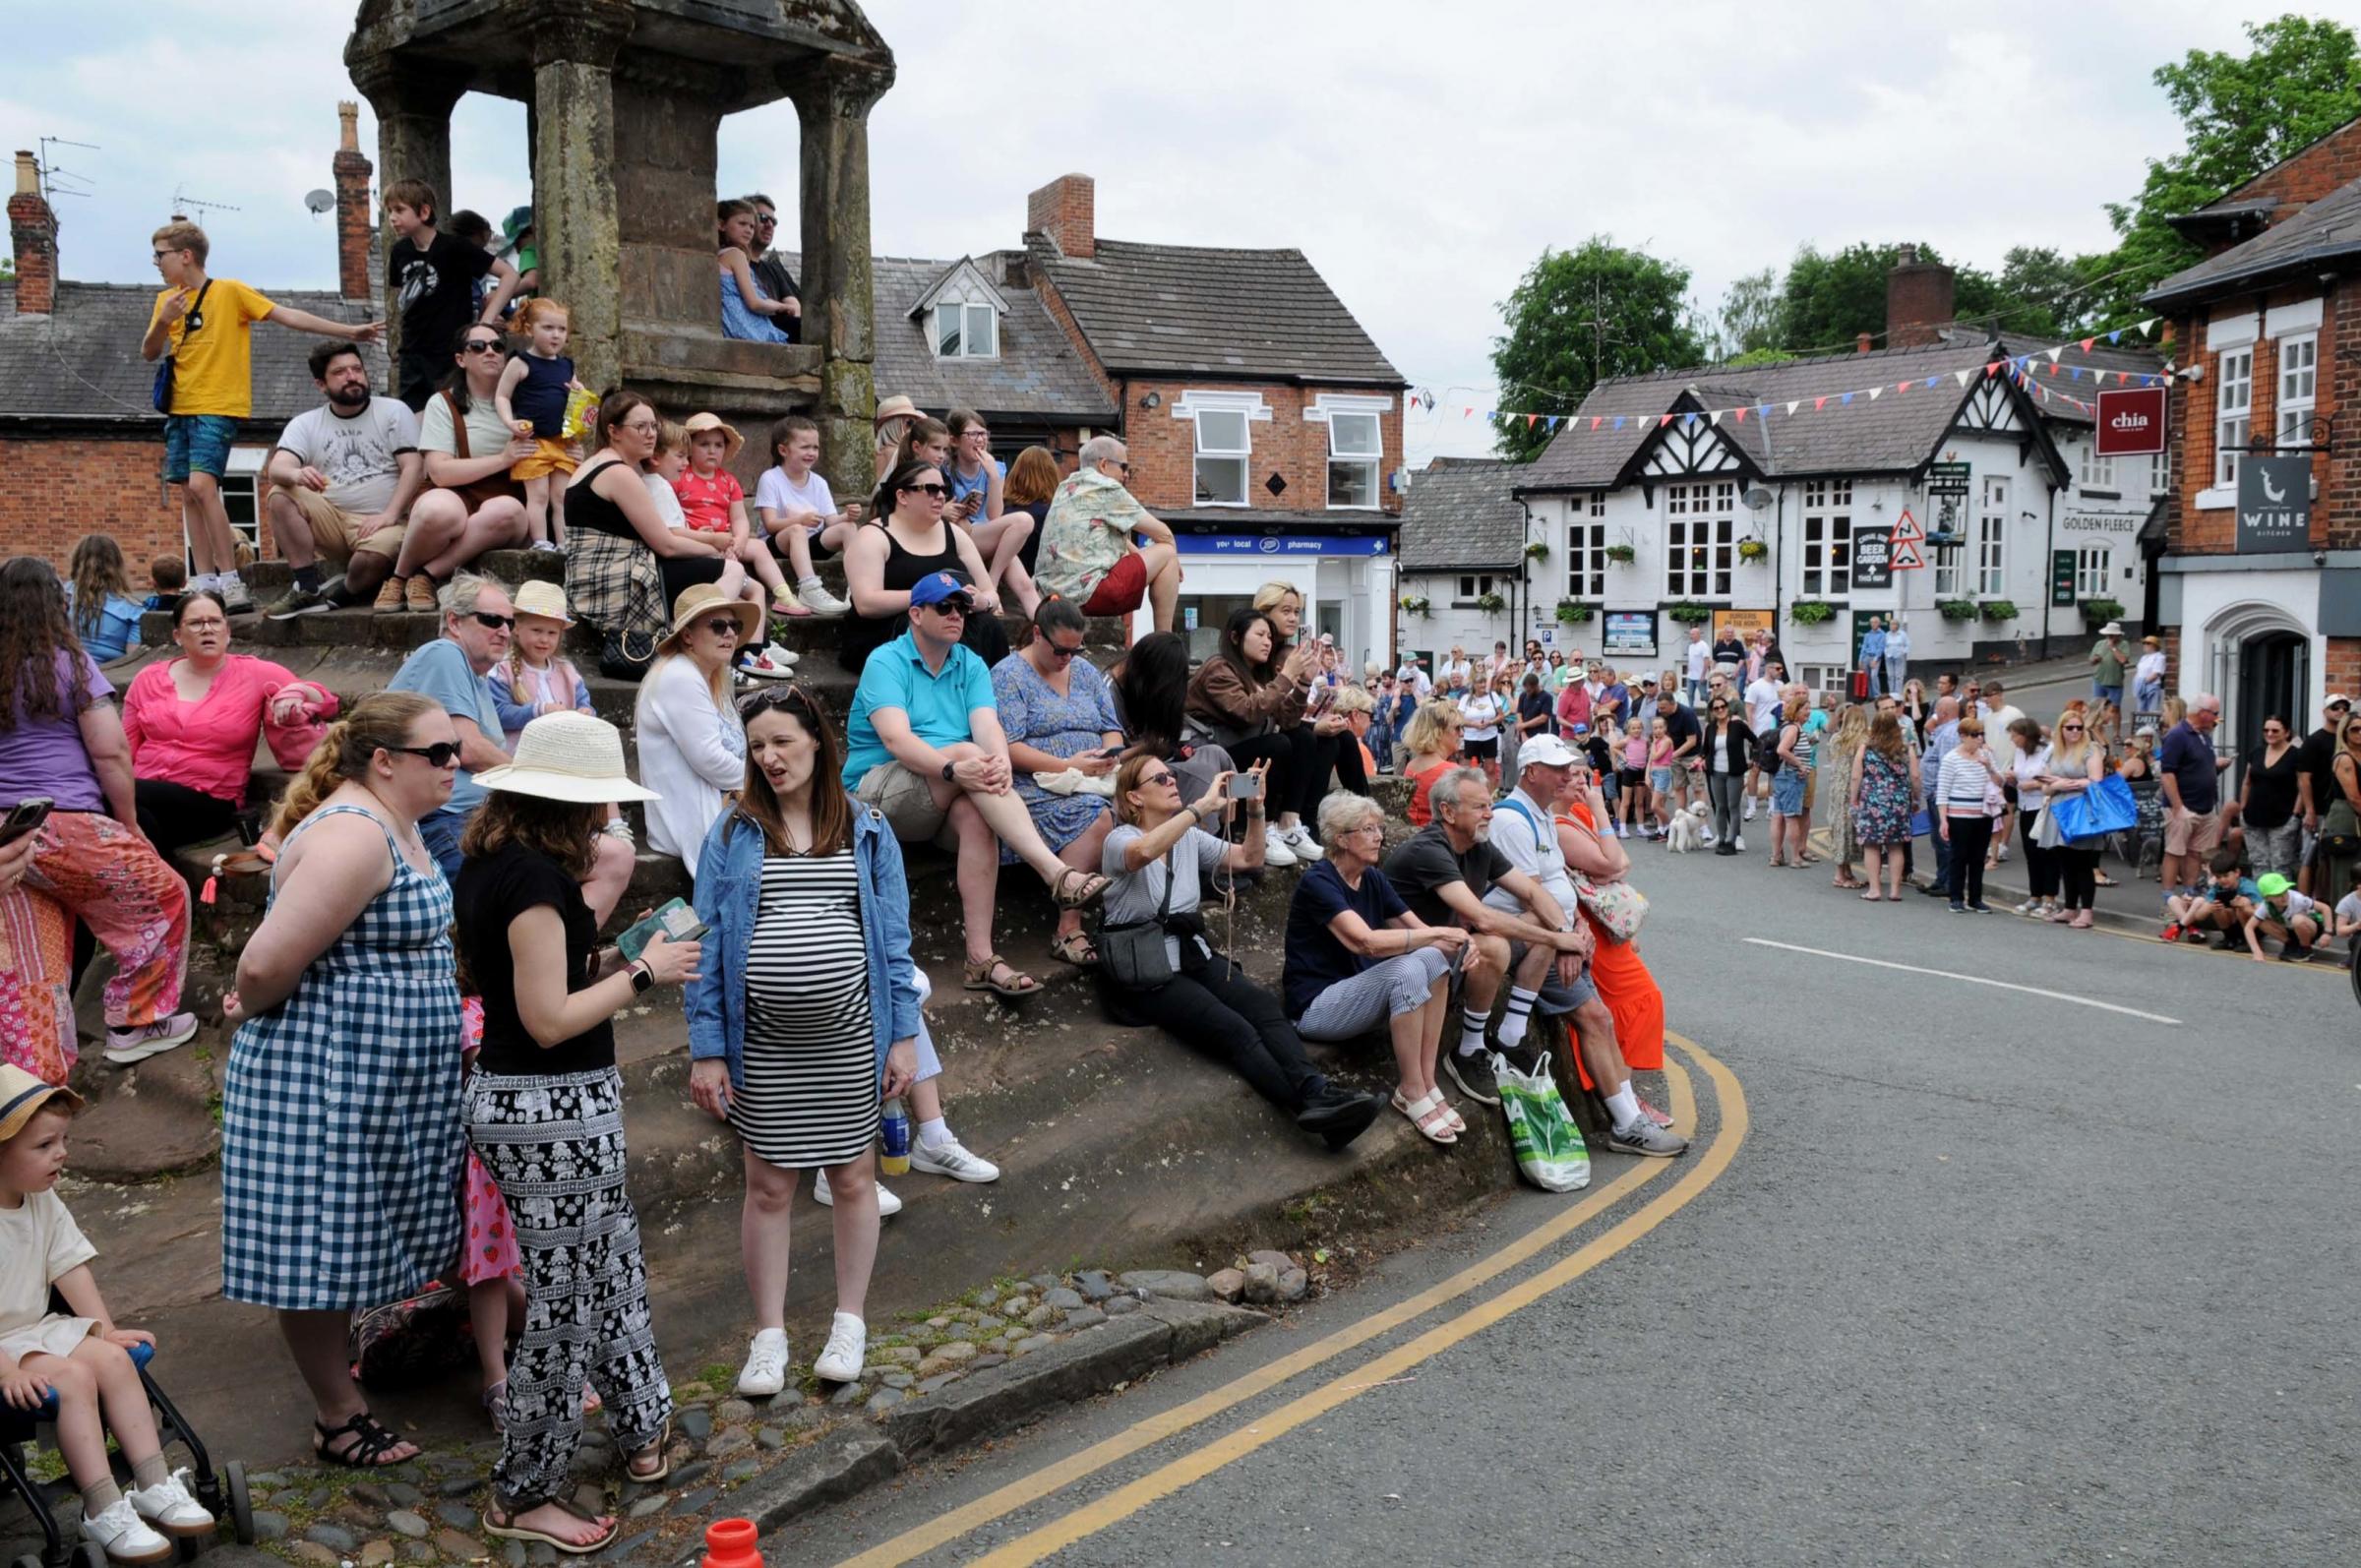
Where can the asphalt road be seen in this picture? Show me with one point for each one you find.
(1991, 1276)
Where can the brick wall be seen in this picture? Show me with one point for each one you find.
(1066, 210)
(1163, 449)
(2333, 161)
(2343, 665)
(53, 490)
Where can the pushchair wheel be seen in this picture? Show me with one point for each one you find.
(241, 1503)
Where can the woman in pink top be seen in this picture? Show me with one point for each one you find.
(193, 721)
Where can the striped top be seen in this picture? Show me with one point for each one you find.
(1960, 790)
(810, 1091)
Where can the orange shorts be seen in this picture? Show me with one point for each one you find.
(549, 458)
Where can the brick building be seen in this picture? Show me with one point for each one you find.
(2268, 333)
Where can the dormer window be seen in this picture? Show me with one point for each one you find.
(963, 313)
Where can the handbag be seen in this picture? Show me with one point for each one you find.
(1617, 906)
(1133, 951)
(160, 394)
(2107, 807)
(2340, 831)
(627, 655)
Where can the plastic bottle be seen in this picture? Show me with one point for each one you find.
(897, 1140)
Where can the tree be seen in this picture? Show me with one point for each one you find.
(1752, 322)
(1579, 315)
(1828, 300)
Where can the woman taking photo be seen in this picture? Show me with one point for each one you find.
(193, 722)
(1729, 748)
(1254, 711)
(624, 565)
(907, 538)
(2266, 802)
(2074, 764)
(332, 1203)
(1881, 786)
(1434, 740)
(1059, 717)
(1964, 815)
(691, 748)
(1323, 750)
(1357, 958)
(807, 1020)
(1150, 689)
(1794, 749)
(544, 1113)
(1159, 858)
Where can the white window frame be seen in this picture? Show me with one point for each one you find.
(2097, 473)
(1992, 540)
(1700, 517)
(1823, 679)
(242, 491)
(1470, 586)
(1597, 503)
(2299, 389)
(1828, 538)
(1586, 553)
(2159, 473)
(1946, 566)
(2094, 570)
(2233, 410)
(965, 316)
(1250, 408)
(1324, 409)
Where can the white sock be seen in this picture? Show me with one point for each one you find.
(936, 1132)
(807, 583)
(1470, 1030)
(1518, 1018)
(1623, 1105)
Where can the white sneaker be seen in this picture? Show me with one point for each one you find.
(547, 548)
(123, 1047)
(1749, 814)
(820, 601)
(235, 596)
(888, 1203)
(1302, 844)
(953, 1159)
(1274, 848)
(169, 1507)
(1709, 840)
(847, 1348)
(123, 1536)
(765, 1370)
(1738, 841)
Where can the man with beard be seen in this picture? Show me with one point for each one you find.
(342, 480)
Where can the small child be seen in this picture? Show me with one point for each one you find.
(714, 503)
(430, 278)
(667, 471)
(1633, 776)
(532, 398)
(2282, 912)
(1660, 771)
(799, 511)
(2216, 905)
(167, 581)
(78, 1355)
(536, 677)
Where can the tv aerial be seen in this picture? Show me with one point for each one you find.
(182, 201)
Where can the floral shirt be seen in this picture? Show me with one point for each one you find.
(1087, 532)
(706, 501)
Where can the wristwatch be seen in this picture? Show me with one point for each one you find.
(644, 979)
(946, 773)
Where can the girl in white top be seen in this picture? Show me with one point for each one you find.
(692, 746)
(2029, 759)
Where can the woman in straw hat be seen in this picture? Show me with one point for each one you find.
(544, 1112)
(691, 747)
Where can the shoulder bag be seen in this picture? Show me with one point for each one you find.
(1133, 951)
(194, 321)
(476, 492)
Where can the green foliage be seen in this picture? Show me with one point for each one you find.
(1620, 552)
(1811, 612)
(2101, 611)
(1957, 609)
(1492, 601)
(1538, 550)
(1761, 356)
(1572, 612)
(1750, 323)
(1997, 609)
(1412, 604)
(1827, 300)
(1577, 316)
(1752, 550)
(1688, 611)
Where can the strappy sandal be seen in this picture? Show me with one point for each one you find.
(1074, 949)
(1094, 885)
(371, 1443)
(506, 1528)
(655, 1450)
(979, 978)
(1430, 1115)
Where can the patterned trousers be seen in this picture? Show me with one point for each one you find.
(37, 1008)
(554, 1146)
(136, 905)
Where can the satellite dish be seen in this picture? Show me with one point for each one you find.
(320, 200)
(1758, 497)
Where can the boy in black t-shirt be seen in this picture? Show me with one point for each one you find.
(430, 280)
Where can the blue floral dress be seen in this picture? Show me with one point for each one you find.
(1884, 814)
(1080, 721)
(738, 321)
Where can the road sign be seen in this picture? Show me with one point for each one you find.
(1872, 561)
(1907, 529)
(1948, 478)
(1906, 556)
(2131, 422)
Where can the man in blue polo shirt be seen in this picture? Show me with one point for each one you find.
(926, 748)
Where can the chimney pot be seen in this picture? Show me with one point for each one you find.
(1862, 343)
(355, 236)
(348, 115)
(29, 173)
(1065, 210)
(32, 237)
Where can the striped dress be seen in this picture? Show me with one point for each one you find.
(810, 1092)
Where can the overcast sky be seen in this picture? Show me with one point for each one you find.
(1421, 154)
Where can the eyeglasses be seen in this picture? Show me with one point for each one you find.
(721, 626)
(1056, 653)
(2071, 729)
(481, 345)
(939, 492)
(440, 754)
(212, 623)
(1164, 777)
(494, 623)
(160, 255)
(950, 610)
(766, 219)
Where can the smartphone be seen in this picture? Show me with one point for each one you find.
(25, 817)
(675, 920)
(1246, 787)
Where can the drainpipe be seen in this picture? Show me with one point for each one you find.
(1779, 564)
(2049, 563)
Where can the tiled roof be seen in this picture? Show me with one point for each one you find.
(82, 361)
(1198, 310)
(2328, 231)
(1039, 371)
(1462, 513)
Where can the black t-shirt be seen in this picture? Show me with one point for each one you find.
(1426, 863)
(1315, 960)
(491, 892)
(2270, 789)
(1533, 706)
(1682, 725)
(435, 291)
(2318, 757)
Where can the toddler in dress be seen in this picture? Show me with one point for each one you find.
(78, 1354)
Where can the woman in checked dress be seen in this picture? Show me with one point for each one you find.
(341, 1136)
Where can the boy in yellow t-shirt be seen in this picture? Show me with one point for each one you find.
(203, 324)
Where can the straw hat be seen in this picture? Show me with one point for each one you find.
(896, 406)
(2113, 628)
(699, 598)
(544, 599)
(570, 757)
(21, 1093)
(699, 423)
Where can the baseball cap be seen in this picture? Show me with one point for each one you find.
(2337, 699)
(1545, 751)
(936, 586)
(2270, 884)
(1582, 729)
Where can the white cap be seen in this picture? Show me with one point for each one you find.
(1545, 751)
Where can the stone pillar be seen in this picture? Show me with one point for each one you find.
(576, 222)
(832, 100)
(412, 104)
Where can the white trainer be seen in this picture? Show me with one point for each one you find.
(169, 1507)
(765, 1370)
(1302, 845)
(123, 1536)
(1738, 841)
(951, 1158)
(847, 1348)
(1749, 814)
(820, 601)
(888, 1203)
(1274, 848)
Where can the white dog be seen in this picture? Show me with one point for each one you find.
(1687, 830)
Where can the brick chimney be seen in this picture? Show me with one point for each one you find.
(1862, 343)
(1063, 210)
(1918, 301)
(32, 233)
(356, 239)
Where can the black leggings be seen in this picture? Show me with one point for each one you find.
(2078, 873)
(174, 816)
(1970, 836)
(2040, 864)
(1289, 752)
(1338, 754)
(1218, 1012)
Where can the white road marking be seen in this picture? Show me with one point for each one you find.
(1973, 980)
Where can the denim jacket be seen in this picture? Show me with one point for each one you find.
(729, 890)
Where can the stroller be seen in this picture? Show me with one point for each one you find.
(17, 1429)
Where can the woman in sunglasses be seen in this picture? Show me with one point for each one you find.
(341, 1130)
(906, 538)
(2074, 764)
(1060, 716)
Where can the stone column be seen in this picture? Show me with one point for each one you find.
(832, 100)
(575, 223)
(412, 104)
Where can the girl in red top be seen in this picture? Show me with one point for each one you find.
(713, 501)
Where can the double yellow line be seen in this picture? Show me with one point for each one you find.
(1161, 1483)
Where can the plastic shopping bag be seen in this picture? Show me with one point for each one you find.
(1548, 1145)
(2104, 808)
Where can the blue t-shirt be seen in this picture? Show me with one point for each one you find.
(117, 630)
(1315, 960)
(2189, 758)
(962, 488)
(441, 670)
(937, 701)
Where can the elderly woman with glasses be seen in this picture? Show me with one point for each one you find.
(1357, 959)
(691, 747)
(1158, 855)
(1058, 714)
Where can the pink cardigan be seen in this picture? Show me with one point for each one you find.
(209, 747)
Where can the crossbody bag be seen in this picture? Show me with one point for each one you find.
(194, 321)
(1133, 950)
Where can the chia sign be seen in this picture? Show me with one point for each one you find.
(2131, 422)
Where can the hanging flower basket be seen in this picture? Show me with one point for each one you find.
(1688, 613)
(1753, 550)
(1411, 605)
(1492, 601)
(1572, 613)
(1997, 610)
(1957, 609)
(1811, 612)
(1621, 552)
(2098, 611)
(1539, 550)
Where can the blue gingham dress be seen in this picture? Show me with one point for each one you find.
(341, 1139)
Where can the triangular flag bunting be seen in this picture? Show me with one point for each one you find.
(2115, 336)
(1873, 394)
(1597, 419)
(1466, 412)
(1619, 421)
(1791, 408)
(1529, 420)
(1992, 368)
(1689, 418)
(1847, 400)
(2087, 342)
(1960, 376)
(1715, 419)
(2055, 352)
(1554, 422)
(1932, 380)
(2147, 325)
(1819, 404)
(1741, 413)
(1662, 420)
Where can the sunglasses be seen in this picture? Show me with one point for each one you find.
(776, 697)
(949, 609)
(721, 626)
(440, 754)
(2071, 729)
(939, 492)
(481, 345)
(1056, 653)
(1157, 778)
(494, 623)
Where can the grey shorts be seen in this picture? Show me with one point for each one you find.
(1555, 998)
(907, 803)
(1386, 990)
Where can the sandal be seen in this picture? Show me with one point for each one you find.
(371, 1443)
(655, 1451)
(1094, 885)
(1873, 897)
(979, 978)
(509, 1530)
(1423, 1114)
(1074, 949)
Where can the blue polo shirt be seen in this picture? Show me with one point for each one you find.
(439, 670)
(937, 701)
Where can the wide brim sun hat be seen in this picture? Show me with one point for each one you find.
(570, 757)
(21, 1093)
(896, 406)
(544, 599)
(700, 599)
(698, 424)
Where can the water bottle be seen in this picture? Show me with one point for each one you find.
(897, 1140)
